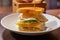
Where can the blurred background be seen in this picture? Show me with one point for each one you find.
(52, 3)
(53, 7)
(6, 4)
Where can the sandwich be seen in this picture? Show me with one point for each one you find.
(31, 19)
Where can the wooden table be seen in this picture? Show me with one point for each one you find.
(54, 35)
(55, 12)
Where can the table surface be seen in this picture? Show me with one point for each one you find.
(4, 33)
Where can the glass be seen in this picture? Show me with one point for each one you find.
(19, 3)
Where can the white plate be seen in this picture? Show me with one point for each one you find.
(9, 22)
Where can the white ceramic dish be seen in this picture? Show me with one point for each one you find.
(9, 22)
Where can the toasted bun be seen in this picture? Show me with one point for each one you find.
(37, 1)
(37, 9)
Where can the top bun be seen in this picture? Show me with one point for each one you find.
(36, 9)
